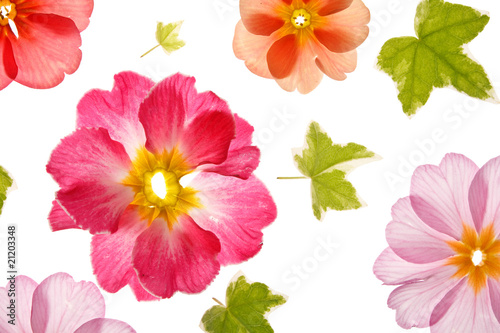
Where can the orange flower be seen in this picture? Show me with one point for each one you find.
(296, 41)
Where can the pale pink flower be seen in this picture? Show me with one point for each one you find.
(444, 249)
(57, 305)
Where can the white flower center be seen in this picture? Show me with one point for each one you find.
(477, 257)
(7, 15)
(5, 11)
(158, 185)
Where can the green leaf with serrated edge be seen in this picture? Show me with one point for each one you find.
(167, 36)
(5, 183)
(328, 164)
(246, 310)
(437, 58)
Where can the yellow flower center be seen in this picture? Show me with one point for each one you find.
(7, 12)
(300, 18)
(477, 256)
(158, 193)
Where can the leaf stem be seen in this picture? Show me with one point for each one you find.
(150, 50)
(292, 178)
(215, 299)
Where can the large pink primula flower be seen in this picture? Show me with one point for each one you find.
(57, 305)
(174, 238)
(40, 40)
(296, 41)
(444, 249)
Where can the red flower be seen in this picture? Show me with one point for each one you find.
(40, 40)
(296, 41)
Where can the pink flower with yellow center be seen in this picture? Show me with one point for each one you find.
(444, 249)
(57, 305)
(296, 41)
(40, 40)
(121, 176)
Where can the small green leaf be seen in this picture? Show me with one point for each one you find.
(327, 165)
(168, 37)
(437, 58)
(5, 183)
(248, 305)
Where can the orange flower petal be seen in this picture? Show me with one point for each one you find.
(335, 65)
(261, 17)
(345, 30)
(306, 75)
(328, 7)
(282, 56)
(253, 49)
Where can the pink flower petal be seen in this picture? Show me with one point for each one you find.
(253, 49)
(89, 167)
(117, 110)
(207, 138)
(198, 103)
(62, 305)
(484, 197)
(335, 65)
(461, 310)
(78, 11)
(459, 172)
(182, 259)
(8, 66)
(235, 211)
(261, 17)
(244, 133)
(242, 158)
(47, 47)
(59, 219)
(239, 163)
(104, 325)
(282, 56)
(306, 75)
(163, 112)
(393, 270)
(140, 293)
(22, 293)
(494, 287)
(345, 30)
(112, 253)
(414, 302)
(439, 195)
(413, 240)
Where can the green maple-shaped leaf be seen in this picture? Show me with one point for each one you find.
(437, 58)
(247, 306)
(5, 183)
(327, 165)
(167, 36)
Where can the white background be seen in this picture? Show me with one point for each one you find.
(339, 293)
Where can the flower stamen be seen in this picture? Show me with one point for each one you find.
(7, 12)
(155, 179)
(477, 256)
(300, 18)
